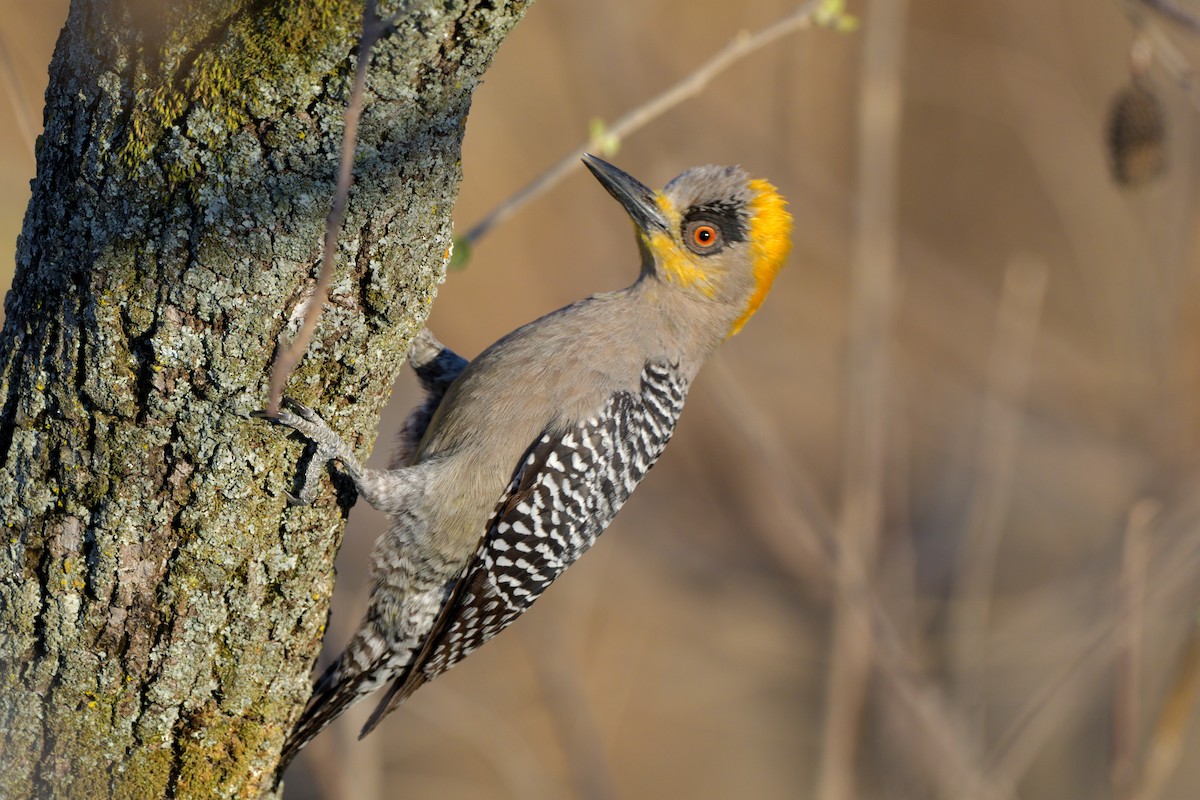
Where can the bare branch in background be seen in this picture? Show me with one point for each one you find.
(558, 678)
(1153, 44)
(863, 480)
(12, 87)
(1127, 707)
(784, 507)
(939, 739)
(1165, 747)
(1174, 572)
(742, 45)
(1174, 12)
(1000, 432)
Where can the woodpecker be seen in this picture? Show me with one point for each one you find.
(518, 460)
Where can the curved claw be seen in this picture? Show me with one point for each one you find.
(303, 420)
(282, 417)
(308, 424)
(302, 411)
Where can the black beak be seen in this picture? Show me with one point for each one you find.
(631, 193)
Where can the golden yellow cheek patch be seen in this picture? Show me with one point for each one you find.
(770, 243)
(679, 265)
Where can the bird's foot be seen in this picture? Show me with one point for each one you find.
(308, 424)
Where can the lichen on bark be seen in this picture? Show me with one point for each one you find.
(161, 604)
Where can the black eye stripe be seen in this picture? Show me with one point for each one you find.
(728, 219)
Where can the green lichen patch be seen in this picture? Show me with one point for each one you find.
(147, 773)
(231, 66)
(219, 752)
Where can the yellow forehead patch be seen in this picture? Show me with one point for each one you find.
(770, 243)
(666, 206)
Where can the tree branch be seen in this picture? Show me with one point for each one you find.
(741, 46)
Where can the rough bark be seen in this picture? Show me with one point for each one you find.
(161, 605)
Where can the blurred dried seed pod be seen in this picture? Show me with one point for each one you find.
(1136, 136)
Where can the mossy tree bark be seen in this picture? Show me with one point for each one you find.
(161, 605)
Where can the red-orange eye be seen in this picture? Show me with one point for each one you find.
(704, 235)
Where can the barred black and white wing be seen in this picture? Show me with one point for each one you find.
(564, 493)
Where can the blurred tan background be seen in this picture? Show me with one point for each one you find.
(1034, 590)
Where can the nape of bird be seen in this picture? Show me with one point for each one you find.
(519, 459)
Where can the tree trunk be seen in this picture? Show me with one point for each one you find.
(161, 605)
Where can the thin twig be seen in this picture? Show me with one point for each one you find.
(861, 519)
(1035, 723)
(1166, 742)
(1174, 12)
(939, 739)
(1000, 430)
(288, 358)
(563, 697)
(1048, 705)
(741, 46)
(785, 508)
(1045, 709)
(1128, 672)
(12, 86)
(945, 750)
(1152, 42)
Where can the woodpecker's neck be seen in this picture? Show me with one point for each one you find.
(686, 325)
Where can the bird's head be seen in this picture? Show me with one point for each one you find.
(712, 231)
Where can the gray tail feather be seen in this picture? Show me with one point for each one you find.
(331, 696)
(400, 690)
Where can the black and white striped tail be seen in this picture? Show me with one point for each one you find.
(333, 693)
